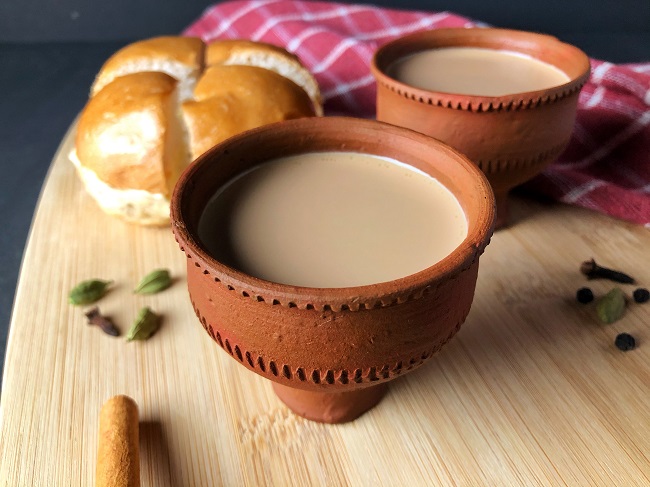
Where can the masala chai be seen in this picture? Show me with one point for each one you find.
(331, 220)
(476, 71)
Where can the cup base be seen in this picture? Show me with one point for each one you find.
(330, 407)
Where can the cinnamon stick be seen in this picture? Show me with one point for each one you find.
(118, 455)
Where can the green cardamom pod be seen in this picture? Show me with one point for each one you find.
(154, 282)
(611, 306)
(145, 325)
(87, 292)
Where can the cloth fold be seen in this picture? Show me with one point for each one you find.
(606, 166)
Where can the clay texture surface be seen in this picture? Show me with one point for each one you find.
(332, 340)
(511, 137)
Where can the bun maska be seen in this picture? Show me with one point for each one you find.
(158, 104)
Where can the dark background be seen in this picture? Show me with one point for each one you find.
(50, 51)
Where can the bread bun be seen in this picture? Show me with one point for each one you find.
(228, 101)
(179, 57)
(154, 107)
(267, 56)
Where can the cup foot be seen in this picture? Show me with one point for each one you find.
(330, 407)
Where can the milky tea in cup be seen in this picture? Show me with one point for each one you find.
(332, 220)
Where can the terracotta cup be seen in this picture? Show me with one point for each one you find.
(511, 137)
(331, 351)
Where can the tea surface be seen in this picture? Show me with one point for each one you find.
(476, 71)
(332, 219)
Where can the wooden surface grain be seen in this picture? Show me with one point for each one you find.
(531, 392)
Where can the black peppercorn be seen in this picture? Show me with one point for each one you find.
(625, 342)
(641, 295)
(584, 295)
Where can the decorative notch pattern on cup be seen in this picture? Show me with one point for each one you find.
(498, 165)
(486, 106)
(270, 368)
(354, 305)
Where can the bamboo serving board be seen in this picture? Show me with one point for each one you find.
(531, 392)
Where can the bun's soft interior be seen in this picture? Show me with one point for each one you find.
(133, 205)
(128, 133)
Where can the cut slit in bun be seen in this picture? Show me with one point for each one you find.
(267, 56)
(226, 103)
(179, 57)
(160, 103)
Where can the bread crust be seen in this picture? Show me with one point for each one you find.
(173, 55)
(232, 99)
(132, 205)
(267, 56)
(121, 132)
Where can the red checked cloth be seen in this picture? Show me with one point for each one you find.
(607, 164)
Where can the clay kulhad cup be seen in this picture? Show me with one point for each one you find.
(510, 137)
(331, 351)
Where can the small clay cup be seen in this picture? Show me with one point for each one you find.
(511, 137)
(331, 351)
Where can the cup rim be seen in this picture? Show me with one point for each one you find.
(543, 47)
(343, 132)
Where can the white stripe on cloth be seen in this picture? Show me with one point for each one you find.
(640, 68)
(343, 88)
(383, 18)
(351, 24)
(604, 150)
(580, 191)
(561, 178)
(306, 56)
(344, 13)
(633, 178)
(393, 31)
(307, 17)
(364, 51)
(294, 43)
(327, 78)
(598, 72)
(596, 97)
(625, 82)
(227, 22)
